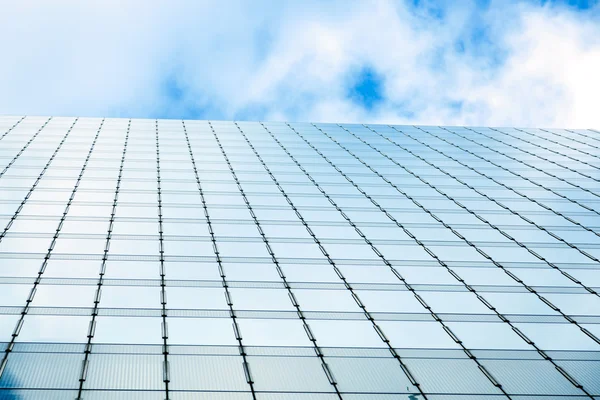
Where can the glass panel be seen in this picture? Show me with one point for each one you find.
(305, 374)
(125, 371)
(452, 302)
(557, 336)
(202, 331)
(129, 330)
(585, 372)
(14, 295)
(41, 370)
(7, 327)
(326, 300)
(530, 377)
(123, 395)
(36, 394)
(477, 335)
(216, 372)
(130, 270)
(371, 375)
(55, 328)
(341, 333)
(257, 332)
(64, 296)
(416, 334)
(197, 298)
(450, 376)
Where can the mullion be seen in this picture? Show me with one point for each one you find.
(224, 283)
(100, 282)
(163, 297)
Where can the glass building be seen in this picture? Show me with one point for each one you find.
(169, 259)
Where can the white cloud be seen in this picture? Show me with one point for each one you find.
(259, 60)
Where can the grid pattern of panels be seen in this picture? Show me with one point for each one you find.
(163, 259)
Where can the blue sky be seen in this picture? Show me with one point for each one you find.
(474, 62)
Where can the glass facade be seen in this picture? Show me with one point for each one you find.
(169, 259)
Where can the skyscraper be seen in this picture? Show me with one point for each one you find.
(169, 259)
